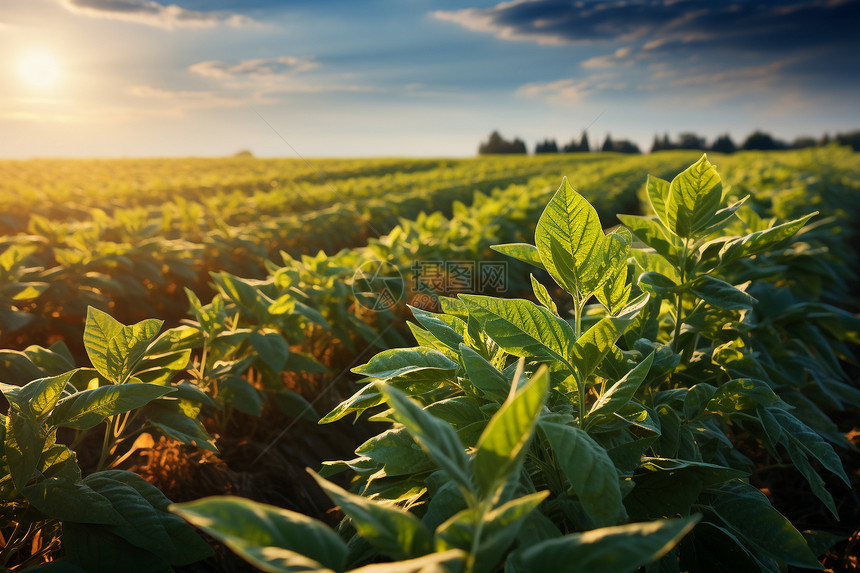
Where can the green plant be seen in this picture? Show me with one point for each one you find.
(524, 438)
(109, 519)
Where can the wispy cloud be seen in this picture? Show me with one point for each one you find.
(571, 91)
(168, 16)
(816, 37)
(265, 69)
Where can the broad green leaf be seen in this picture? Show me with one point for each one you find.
(24, 441)
(521, 327)
(71, 501)
(236, 392)
(447, 329)
(657, 284)
(392, 531)
(113, 348)
(484, 376)
(368, 397)
(174, 423)
(597, 341)
(622, 391)
(498, 529)
(741, 394)
(271, 348)
(396, 451)
(445, 562)
(423, 363)
(658, 194)
(619, 549)
(653, 234)
(542, 295)
(723, 217)
(748, 513)
(589, 470)
(694, 196)
(570, 241)
(84, 410)
(36, 398)
(813, 444)
(759, 241)
(522, 252)
(503, 441)
(272, 539)
(721, 294)
(437, 438)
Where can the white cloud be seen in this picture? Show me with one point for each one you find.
(152, 13)
(264, 68)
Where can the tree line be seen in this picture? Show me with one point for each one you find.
(756, 141)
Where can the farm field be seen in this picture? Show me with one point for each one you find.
(676, 381)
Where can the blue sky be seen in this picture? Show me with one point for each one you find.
(150, 78)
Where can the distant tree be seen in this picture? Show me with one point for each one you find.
(497, 144)
(571, 147)
(625, 146)
(607, 144)
(691, 141)
(825, 140)
(803, 142)
(724, 144)
(851, 139)
(546, 146)
(656, 145)
(761, 141)
(667, 143)
(583, 142)
(243, 153)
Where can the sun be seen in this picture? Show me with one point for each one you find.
(39, 69)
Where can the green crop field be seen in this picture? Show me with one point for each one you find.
(573, 362)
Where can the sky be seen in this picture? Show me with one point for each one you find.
(130, 78)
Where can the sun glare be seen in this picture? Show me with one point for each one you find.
(39, 69)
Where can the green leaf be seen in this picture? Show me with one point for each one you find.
(295, 405)
(368, 397)
(748, 513)
(498, 529)
(271, 347)
(741, 394)
(24, 442)
(84, 410)
(657, 284)
(809, 441)
(114, 348)
(620, 549)
(570, 241)
(597, 341)
(36, 398)
(71, 501)
(392, 531)
(174, 423)
(445, 562)
(694, 196)
(759, 241)
(521, 327)
(658, 194)
(416, 363)
(653, 234)
(721, 294)
(522, 252)
(589, 470)
(437, 438)
(484, 376)
(503, 441)
(269, 538)
(236, 392)
(542, 295)
(620, 393)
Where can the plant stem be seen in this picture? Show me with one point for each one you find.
(679, 298)
(106, 444)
